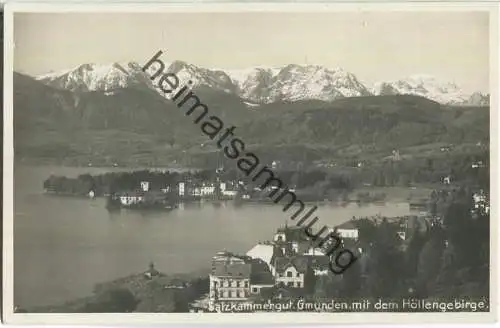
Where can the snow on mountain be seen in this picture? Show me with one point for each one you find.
(295, 82)
(261, 84)
(216, 79)
(257, 84)
(425, 86)
(253, 83)
(240, 76)
(92, 77)
(479, 99)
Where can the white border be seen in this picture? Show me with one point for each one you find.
(255, 318)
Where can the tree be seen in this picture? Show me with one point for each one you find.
(385, 262)
(351, 281)
(367, 230)
(118, 300)
(461, 232)
(430, 261)
(415, 246)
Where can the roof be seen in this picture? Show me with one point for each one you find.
(300, 263)
(225, 256)
(236, 270)
(263, 252)
(261, 274)
(294, 233)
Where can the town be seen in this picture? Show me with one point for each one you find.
(290, 266)
(448, 228)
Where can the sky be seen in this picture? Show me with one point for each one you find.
(375, 46)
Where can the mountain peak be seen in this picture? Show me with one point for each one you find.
(261, 84)
(424, 85)
(94, 77)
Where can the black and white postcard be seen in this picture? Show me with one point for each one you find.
(258, 163)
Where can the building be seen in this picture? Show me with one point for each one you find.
(478, 164)
(151, 272)
(481, 202)
(275, 165)
(145, 186)
(230, 278)
(182, 189)
(261, 278)
(131, 198)
(348, 230)
(292, 259)
(314, 251)
(229, 193)
(395, 155)
(292, 271)
(291, 234)
(446, 148)
(204, 190)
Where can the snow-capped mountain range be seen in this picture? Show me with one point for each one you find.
(261, 84)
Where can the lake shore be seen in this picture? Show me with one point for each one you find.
(160, 293)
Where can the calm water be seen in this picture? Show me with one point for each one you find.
(64, 246)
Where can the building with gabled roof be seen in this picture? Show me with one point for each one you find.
(293, 271)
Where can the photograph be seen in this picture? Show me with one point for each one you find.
(268, 163)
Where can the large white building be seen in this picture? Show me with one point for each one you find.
(229, 279)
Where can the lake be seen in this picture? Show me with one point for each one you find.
(63, 246)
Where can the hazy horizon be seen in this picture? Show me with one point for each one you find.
(375, 46)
